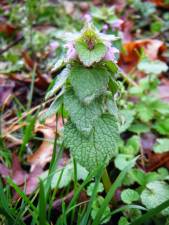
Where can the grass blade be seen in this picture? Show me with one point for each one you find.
(93, 197)
(32, 209)
(152, 212)
(42, 205)
(111, 192)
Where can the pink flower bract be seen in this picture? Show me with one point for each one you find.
(71, 52)
(117, 23)
(110, 55)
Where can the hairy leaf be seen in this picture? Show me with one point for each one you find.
(154, 67)
(122, 160)
(113, 67)
(162, 126)
(97, 148)
(162, 145)
(154, 194)
(129, 195)
(127, 117)
(89, 56)
(58, 82)
(139, 128)
(54, 107)
(89, 83)
(123, 221)
(145, 113)
(63, 176)
(90, 188)
(83, 116)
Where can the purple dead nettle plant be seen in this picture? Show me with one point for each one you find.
(86, 88)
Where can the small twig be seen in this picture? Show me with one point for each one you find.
(142, 154)
(14, 121)
(12, 44)
(14, 139)
(57, 203)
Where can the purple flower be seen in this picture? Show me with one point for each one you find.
(88, 18)
(54, 45)
(71, 52)
(105, 27)
(110, 55)
(117, 23)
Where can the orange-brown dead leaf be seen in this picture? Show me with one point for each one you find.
(157, 160)
(130, 58)
(43, 154)
(6, 89)
(42, 80)
(160, 3)
(152, 160)
(6, 28)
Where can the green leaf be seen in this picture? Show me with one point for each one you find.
(128, 196)
(97, 148)
(112, 67)
(63, 176)
(156, 26)
(148, 83)
(123, 221)
(136, 91)
(154, 67)
(139, 128)
(151, 176)
(81, 172)
(122, 160)
(127, 117)
(54, 107)
(154, 194)
(58, 65)
(83, 116)
(162, 145)
(58, 82)
(114, 86)
(89, 56)
(112, 107)
(162, 126)
(90, 188)
(138, 176)
(95, 208)
(89, 83)
(163, 173)
(159, 106)
(145, 113)
(141, 177)
(132, 146)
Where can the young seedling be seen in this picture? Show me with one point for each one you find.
(87, 88)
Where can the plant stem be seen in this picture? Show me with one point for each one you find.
(75, 174)
(128, 79)
(106, 181)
